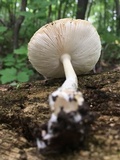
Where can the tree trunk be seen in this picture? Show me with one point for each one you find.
(117, 2)
(49, 13)
(60, 9)
(17, 25)
(81, 9)
(89, 9)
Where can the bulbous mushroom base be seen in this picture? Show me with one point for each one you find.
(64, 131)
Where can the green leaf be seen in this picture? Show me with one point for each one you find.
(8, 75)
(26, 14)
(9, 60)
(29, 72)
(109, 38)
(21, 59)
(8, 71)
(21, 51)
(22, 76)
(1, 39)
(3, 29)
(9, 64)
(20, 65)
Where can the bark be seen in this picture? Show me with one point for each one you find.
(64, 9)
(117, 2)
(17, 25)
(2, 22)
(89, 9)
(105, 14)
(81, 9)
(60, 9)
(49, 13)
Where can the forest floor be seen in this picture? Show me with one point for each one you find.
(26, 105)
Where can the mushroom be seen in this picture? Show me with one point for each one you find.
(65, 47)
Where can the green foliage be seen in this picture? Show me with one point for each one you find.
(15, 67)
(8, 75)
(111, 51)
(2, 29)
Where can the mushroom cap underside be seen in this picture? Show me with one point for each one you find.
(78, 38)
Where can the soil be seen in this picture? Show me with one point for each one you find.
(24, 107)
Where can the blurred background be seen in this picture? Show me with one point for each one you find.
(19, 19)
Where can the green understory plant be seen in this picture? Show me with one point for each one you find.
(15, 67)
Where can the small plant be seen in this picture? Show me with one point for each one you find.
(15, 67)
(111, 47)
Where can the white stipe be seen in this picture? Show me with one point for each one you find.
(50, 122)
(77, 118)
(48, 136)
(40, 144)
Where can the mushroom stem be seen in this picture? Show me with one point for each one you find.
(71, 81)
(70, 119)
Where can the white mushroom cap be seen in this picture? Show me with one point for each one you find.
(78, 38)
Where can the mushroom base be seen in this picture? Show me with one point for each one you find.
(68, 131)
